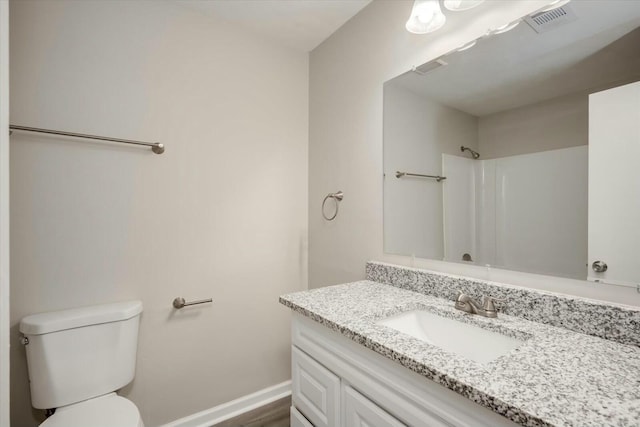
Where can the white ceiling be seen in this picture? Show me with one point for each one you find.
(522, 67)
(299, 24)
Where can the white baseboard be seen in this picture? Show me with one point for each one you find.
(236, 407)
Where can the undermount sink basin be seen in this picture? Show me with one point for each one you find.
(467, 340)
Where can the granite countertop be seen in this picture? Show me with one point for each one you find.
(557, 377)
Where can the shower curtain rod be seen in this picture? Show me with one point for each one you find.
(156, 147)
(436, 177)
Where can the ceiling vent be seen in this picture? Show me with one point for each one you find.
(429, 67)
(546, 21)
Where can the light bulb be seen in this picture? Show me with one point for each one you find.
(504, 28)
(426, 17)
(467, 46)
(460, 5)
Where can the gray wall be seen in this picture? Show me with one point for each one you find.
(346, 77)
(5, 341)
(561, 122)
(222, 214)
(347, 73)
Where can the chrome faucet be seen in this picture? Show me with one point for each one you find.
(467, 304)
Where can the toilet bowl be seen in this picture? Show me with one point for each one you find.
(77, 359)
(104, 411)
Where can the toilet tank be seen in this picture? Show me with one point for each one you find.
(77, 354)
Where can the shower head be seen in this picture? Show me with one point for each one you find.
(474, 154)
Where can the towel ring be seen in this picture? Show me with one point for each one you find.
(337, 197)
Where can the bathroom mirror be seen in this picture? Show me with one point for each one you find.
(545, 182)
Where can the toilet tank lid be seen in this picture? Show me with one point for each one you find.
(54, 321)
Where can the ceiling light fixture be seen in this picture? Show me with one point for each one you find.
(467, 46)
(459, 5)
(504, 28)
(426, 17)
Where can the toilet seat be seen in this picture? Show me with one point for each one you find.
(104, 411)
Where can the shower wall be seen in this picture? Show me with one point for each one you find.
(530, 211)
(222, 213)
(459, 208)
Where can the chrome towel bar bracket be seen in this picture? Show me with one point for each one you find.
(179, 302)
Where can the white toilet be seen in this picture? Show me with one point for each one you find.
(78, 358)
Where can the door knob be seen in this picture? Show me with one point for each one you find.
(599, 266)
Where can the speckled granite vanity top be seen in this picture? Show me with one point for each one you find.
(557, 377)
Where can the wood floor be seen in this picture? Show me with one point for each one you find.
(275, 414)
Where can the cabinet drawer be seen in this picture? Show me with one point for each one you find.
(315, 389)
(298, 420)
(359, 411)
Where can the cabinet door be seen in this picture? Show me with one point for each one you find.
(298, 420)
(361, 412)
(315, 390)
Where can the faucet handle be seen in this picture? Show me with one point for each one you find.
(460, 295)
(488, 303)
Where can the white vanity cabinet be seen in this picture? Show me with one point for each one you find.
(339, 383)
(361, 412)
(298, 420)
(316, 390)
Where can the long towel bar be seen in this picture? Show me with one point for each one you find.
(436, 177)
(156, 147)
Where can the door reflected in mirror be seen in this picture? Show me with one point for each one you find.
(521, 152)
